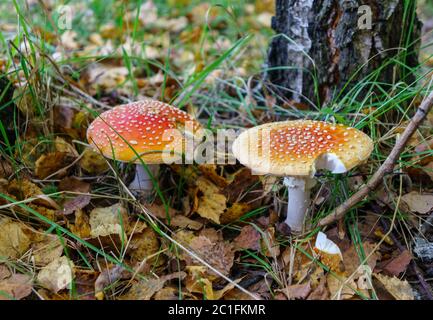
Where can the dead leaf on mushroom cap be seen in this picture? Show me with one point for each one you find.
(57, 275)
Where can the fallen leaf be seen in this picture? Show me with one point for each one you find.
(399, 289)
(108, 277)
(145, 289)
(57, 275)
(81, 226)
(417, 202)
(74, 204)
(46, 248)
(93, 162)
(340, 286)
(64, 147)
(143, 245)
(184, 222)
(108, 220)
(297, 291)
(24, 189)
(160, 211)
(219, 254)
(51, 163)
(398, 264)
(15, 287)
(211, 204)
(352, 261)
(249, 238)
(235, 212)
(74, 184)
(269, 244)
(13, 241)
(209, 171)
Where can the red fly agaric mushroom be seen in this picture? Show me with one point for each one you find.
(296, 150)
(154, 130)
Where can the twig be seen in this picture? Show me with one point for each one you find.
(387, 165)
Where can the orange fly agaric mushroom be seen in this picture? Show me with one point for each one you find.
(153, 130)
(296, 150)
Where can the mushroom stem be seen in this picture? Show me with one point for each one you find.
(299, 200)
(142, 181)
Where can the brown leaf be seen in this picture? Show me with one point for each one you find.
(249, 238)
(340, 286)
(108, 277)
(219, 254)
(297, 291)
(417, 202)
(53, 162)
(17, 286)
(236, 211)
(352, 261)
(74, 184)
(145, 289)
(24, 189)
(209, 171)
(74, 204)
(160, 212)
(81, 226)
(143, 245)
(398, 264)
(320, 292)
(184, 222)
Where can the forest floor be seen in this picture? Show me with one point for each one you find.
(70, 229)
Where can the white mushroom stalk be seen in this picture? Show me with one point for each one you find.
(142, 180)
(295, 150)
(299, 190)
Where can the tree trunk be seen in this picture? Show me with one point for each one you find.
(330, 41)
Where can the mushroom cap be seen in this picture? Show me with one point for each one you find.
(150, 127)
(300, 147)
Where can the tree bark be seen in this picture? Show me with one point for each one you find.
(327, 40)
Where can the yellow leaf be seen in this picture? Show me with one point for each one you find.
(45, 248)
(13, 241)
(211, 204)
(236, 211)
(400, 290)
(93, 162)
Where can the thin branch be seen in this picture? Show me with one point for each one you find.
(386, 167)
